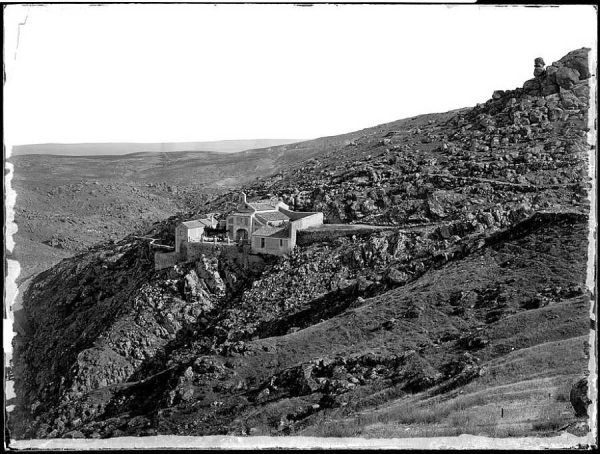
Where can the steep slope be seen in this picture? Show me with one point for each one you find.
(451, 320)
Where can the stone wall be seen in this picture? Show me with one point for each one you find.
(240, 255)
(309, 220)
(166, 259)
(312, 220)
(298, 215)
(275, 246)
(192, 251)
(330, 232)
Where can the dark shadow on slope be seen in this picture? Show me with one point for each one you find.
(318, 310)
(335, 303)
(146, 390)
(321, 309)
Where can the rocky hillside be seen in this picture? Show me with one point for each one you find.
(468, 314)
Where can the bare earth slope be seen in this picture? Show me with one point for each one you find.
(468, 314)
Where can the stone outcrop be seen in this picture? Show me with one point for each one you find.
(579, 397)
(565, 74)
(539, 67)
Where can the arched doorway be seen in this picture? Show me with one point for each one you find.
(241, 234)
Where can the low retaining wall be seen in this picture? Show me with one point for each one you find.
(166, 259)
(193, 251)
(240, 255)
(329, 232)
(234, 253)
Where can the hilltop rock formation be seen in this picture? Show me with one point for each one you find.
(565, 74)
(539, 67)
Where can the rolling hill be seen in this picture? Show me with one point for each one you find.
(112, 149)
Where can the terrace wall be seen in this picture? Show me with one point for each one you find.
(166, 259)
(193, 251)
(329, 232)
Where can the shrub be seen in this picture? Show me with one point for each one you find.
(460, 419)
(548, 425)
(549, 421)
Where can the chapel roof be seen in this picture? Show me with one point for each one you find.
(263, 205)
(273, 232)
(196, 223)
(273, 216)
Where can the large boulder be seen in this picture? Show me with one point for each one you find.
(395, 276)
(579, 397)
(569, 100)
(565, 73)
(193, 285)
(567, 77)
(208, 270)
(550, 76)
(538, 67)
(548, 82)
(435, 205)
(532, 87)
(577, 60)
(582, 91)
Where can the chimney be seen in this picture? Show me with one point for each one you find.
(242, 197)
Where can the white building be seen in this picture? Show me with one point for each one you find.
(269, 225)
(192, 231)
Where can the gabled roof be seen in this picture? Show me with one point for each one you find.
(263, 205)
(273, 232)
(295, 215)
(197, 223)
(273, 216)
(303, 214)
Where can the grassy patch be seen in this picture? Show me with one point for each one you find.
(550, 420)
(432, 411)
(563, 394)
(475, 414)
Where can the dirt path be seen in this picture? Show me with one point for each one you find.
(504, 183)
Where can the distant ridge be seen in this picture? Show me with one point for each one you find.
(90, 149)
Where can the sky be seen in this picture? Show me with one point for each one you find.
(174, 73)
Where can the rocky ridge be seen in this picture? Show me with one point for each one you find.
(489, 214)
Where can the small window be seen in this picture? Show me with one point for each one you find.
(280, 243)
(262, 243)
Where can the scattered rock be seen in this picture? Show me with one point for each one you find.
(397, 277)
